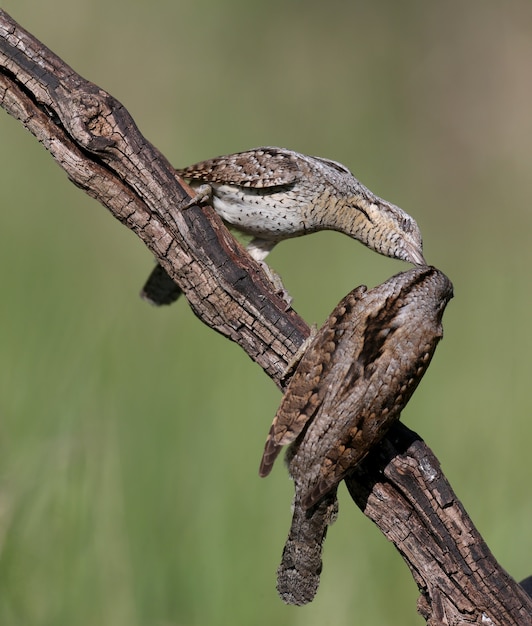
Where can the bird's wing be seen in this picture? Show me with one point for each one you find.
(259, 168)
(309, 383)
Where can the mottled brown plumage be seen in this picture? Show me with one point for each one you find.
(351, 384)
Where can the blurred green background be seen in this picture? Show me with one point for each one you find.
(130, 436)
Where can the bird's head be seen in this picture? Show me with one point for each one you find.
(387, 229)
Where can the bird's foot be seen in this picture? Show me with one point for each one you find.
(280, 289)
(203, 194)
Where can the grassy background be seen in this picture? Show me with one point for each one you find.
(130, 437)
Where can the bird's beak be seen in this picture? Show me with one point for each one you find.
(415, 255)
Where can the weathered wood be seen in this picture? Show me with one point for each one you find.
(401, 487)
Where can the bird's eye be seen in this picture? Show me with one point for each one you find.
(406, 224)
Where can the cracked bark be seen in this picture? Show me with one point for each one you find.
(400, 485)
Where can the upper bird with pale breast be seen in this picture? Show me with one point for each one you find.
(275, 194)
